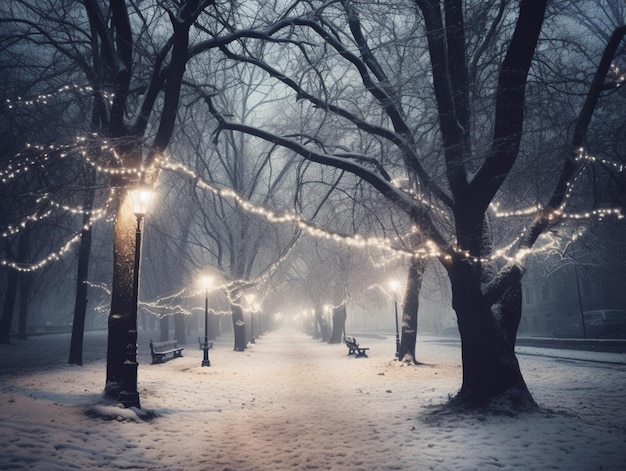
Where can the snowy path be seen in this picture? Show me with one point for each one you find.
(302, 404)
(293, 403)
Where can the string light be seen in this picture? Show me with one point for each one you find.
(403, 184)
(45, 98)
(357, 240)
(389, 245)
(52, 257)
(56, 255)
(529, 211)
(428, 249)
(95, 214)
(617, 75)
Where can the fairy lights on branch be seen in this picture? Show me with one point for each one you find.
(617, 77)
(272, 217)
(174, 303)
(405, 186)
(95, 214)
(428, 249)
(12, 230)
(32, 156)
(110, 163)
(52, 257)
(600, 213)
(36, 156)
(46, 98)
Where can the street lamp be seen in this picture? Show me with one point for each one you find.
(206, 281)
(395, 285)
(129, 396)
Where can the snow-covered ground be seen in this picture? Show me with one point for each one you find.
(293, 403)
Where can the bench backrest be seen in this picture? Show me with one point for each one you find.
(164, 345)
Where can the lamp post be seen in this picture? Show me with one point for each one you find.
(207, 281)
(395, 285)
(129, 396)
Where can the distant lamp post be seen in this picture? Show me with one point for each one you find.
(129, 396)
(395, 285)
(207, 282)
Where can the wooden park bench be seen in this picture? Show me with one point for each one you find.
(160, 349)
(354, 348)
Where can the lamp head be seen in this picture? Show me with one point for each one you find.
(206, 282)
(394, 285)
(140, 197)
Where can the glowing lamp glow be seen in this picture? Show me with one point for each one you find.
(206, 282)
(394, 285)
(140, 198)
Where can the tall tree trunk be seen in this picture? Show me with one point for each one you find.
(322, 321)
(13, 279)
(239, 327)
(313, 325)
(490, 369)
(121, 294)
(80, 303)
(122, 329)
(410, 310)
(9, 305)
(24, 279)
(339, 324)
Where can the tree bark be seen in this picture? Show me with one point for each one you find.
(239, 327)
(9, 305)
(410, 310)
(339, 324)
(491, 373)
(80, 304)
(320, 319)
(121, 294)
(24, 279)
(13, 280)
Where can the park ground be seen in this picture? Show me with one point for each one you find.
(290, 402)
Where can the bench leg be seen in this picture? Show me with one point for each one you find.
(156, 358)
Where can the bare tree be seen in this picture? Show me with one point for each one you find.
(427, 93)
(454, 184)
